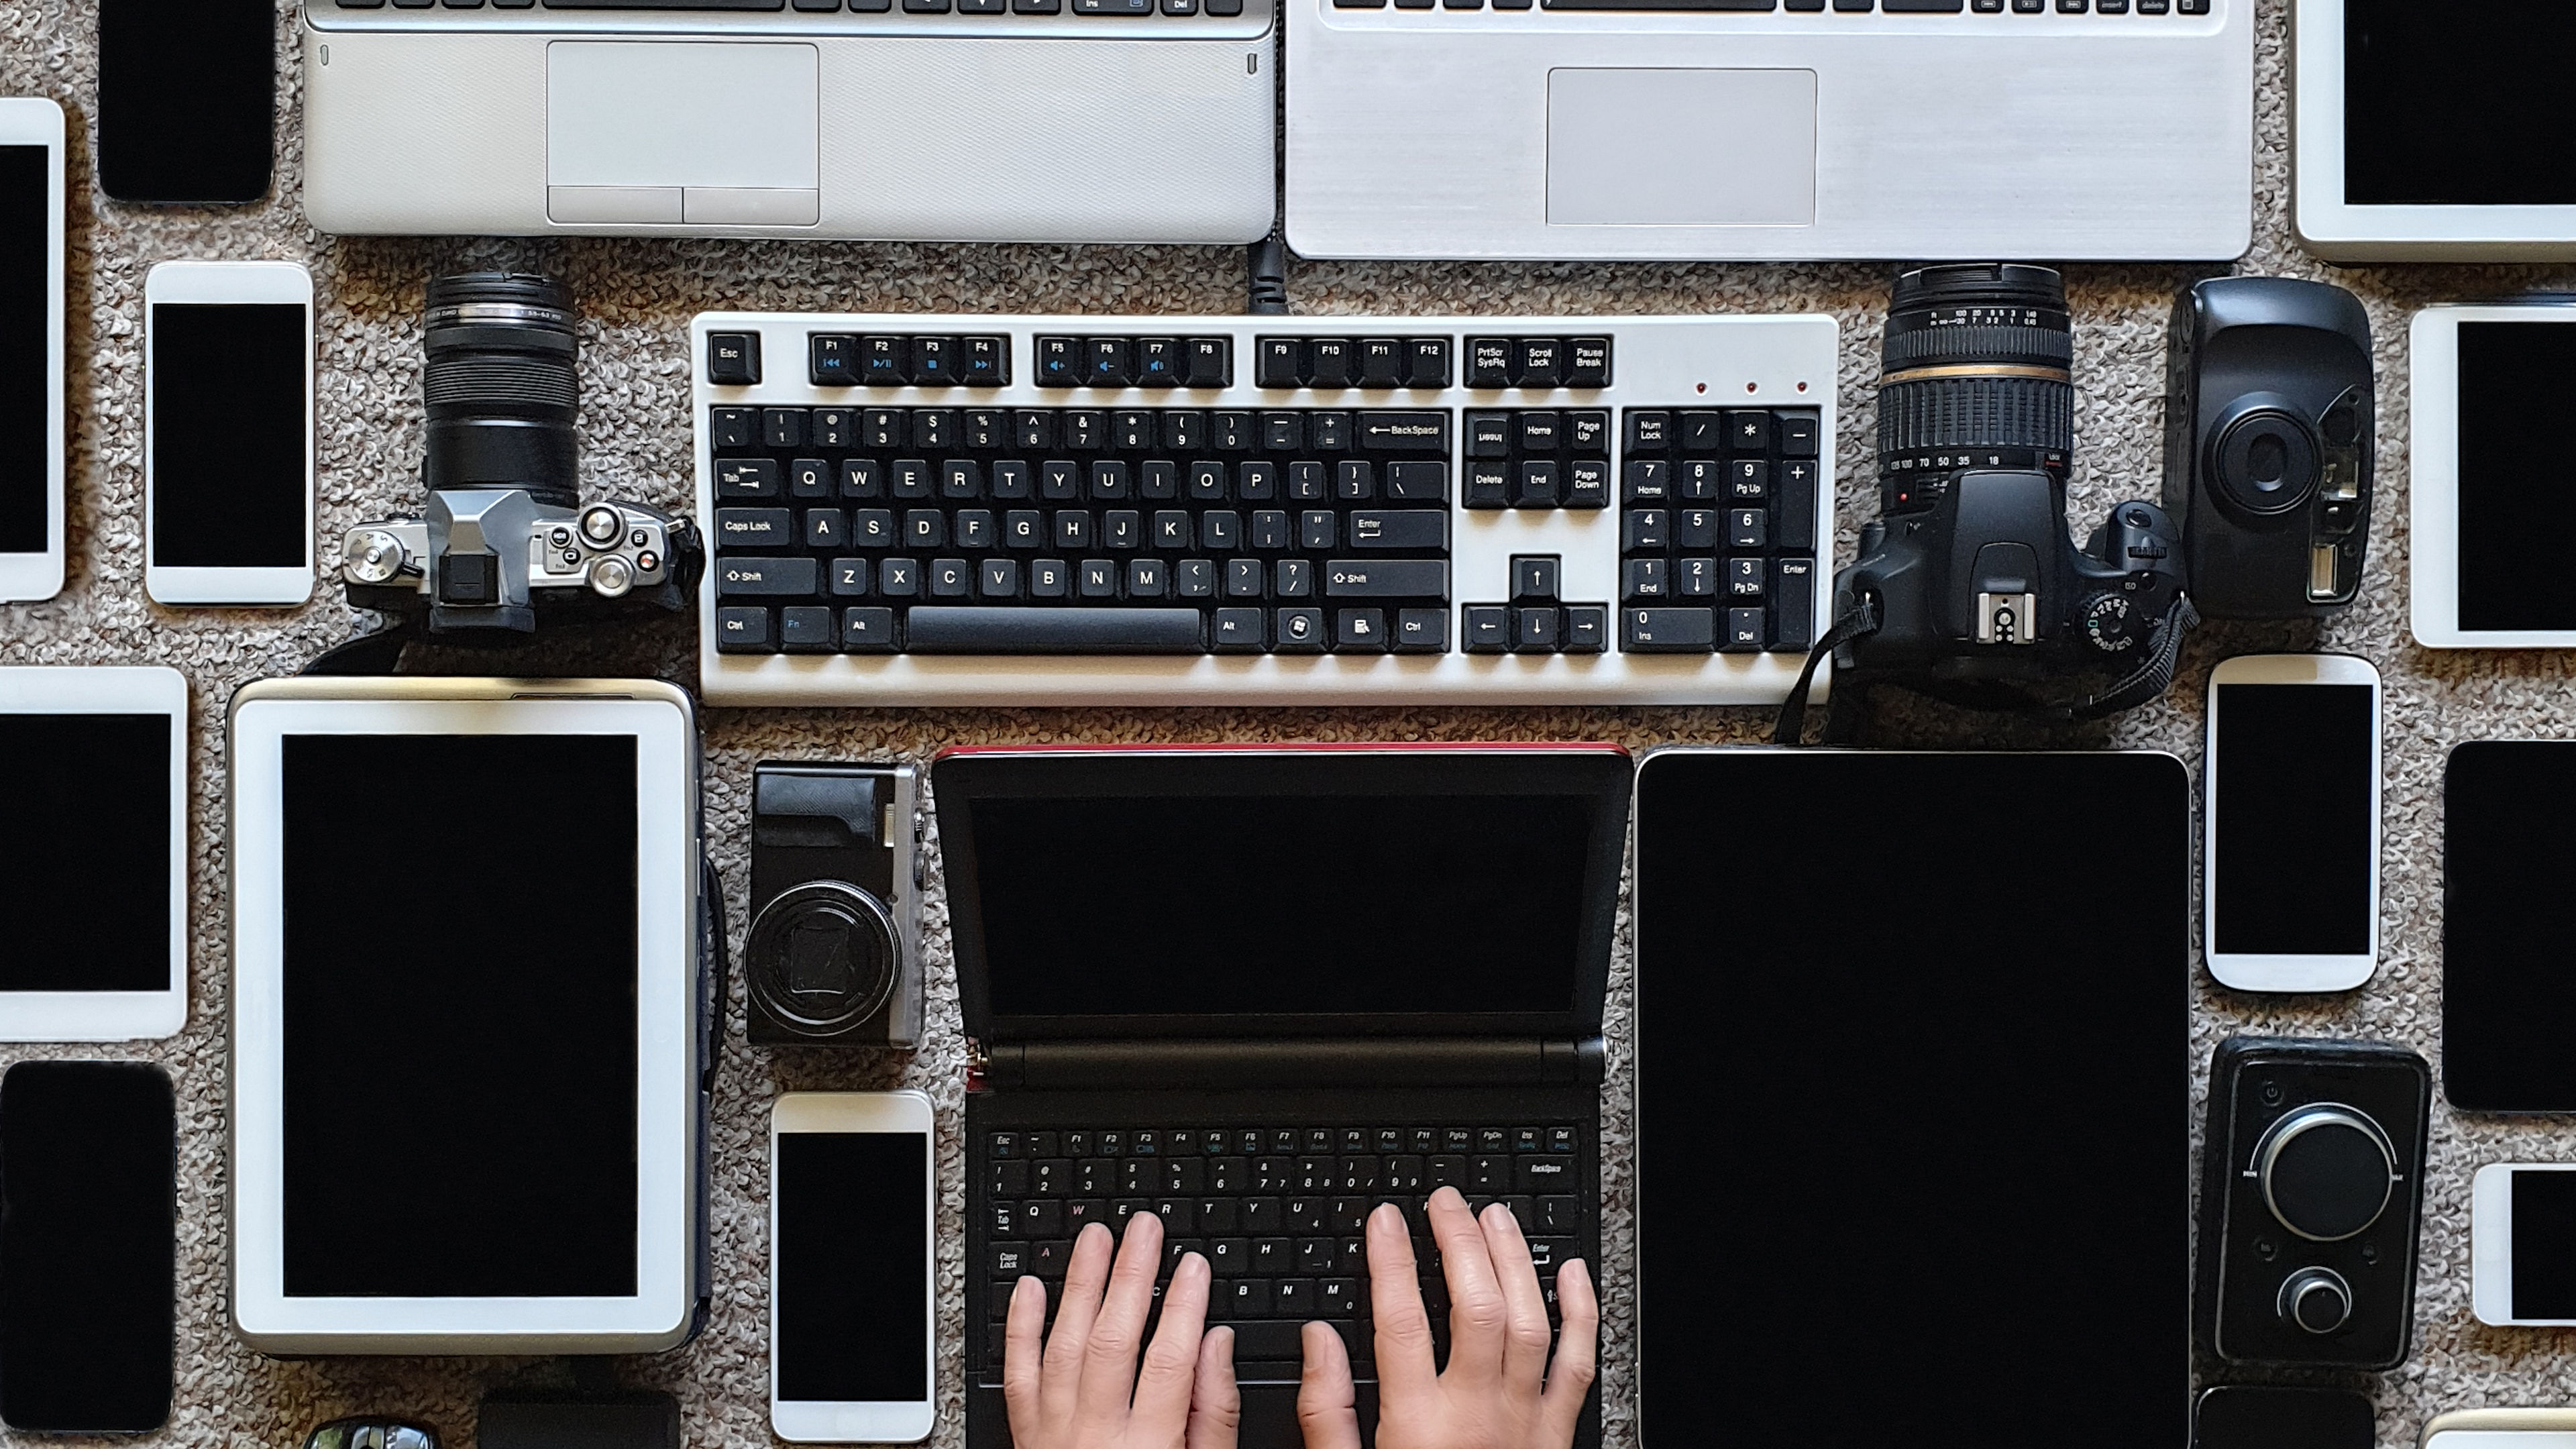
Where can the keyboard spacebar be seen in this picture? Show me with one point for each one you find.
(666, 4)
(964, 630)
(1659, 4)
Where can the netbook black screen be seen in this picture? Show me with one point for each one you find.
(1340, 887)
(1913, 1098)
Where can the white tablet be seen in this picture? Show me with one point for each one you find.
(2429, 129)
(468, 1017)
(2488, 382)
(93, 853)
(2502, 1429)
(31, 329)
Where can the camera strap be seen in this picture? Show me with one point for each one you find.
(2153, 676)
(376, 652)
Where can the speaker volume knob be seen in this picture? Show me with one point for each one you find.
(2327, 1172)
(2317, 1300)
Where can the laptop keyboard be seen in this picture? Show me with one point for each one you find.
(1327, 507)
(1277, 1211)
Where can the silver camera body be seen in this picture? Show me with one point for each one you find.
(485, 558)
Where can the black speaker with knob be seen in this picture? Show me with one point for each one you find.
(2311, 1187)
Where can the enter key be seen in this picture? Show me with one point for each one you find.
(1401, 530)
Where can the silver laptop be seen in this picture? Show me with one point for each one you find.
(1753, 130)
(956, 120)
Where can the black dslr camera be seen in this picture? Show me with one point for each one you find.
(2311, 1190)
(834, 953)
(2268, 429)
(506, 537)
(1969, 571)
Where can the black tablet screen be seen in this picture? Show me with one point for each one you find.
(26, 352)
(2507, 990)
(87, 1246)
(460, 1016)
(853, 1291)
(2457, 102)
(1913, 1098)
(2514, 378)
(85, 852)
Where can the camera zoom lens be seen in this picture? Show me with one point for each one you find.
(1974, 374)
(822, 956)
(500, 386)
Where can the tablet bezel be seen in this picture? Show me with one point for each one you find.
(2433, 454)
(659, 1314)
(32, 1016)
(2338, 230)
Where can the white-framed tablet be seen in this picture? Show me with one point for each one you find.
(2502, 1429)
(2430, 129)
(228, 433)
(467, 1020)
(93, 853)
(31, 327)
(2486, 382)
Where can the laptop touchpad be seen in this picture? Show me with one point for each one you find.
(1681, 147)
(658, 132)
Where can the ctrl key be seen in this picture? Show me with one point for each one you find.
(1667, 631)
(744, 631)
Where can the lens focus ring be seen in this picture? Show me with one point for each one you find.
(1983, 343)
(1934, 415)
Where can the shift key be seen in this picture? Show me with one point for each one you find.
(1386, 578)
(1400, 530)
(1404, 432)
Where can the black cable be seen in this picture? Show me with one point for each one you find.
(1266, 265)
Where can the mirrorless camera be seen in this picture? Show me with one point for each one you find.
(505, 539)
(834, 952)
(2268, 423)
(1969, 567)
(2311, 1187)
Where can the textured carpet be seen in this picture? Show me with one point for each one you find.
(638, 297)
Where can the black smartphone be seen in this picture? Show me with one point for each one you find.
(2247, 1417)
(187, 93)
(2506, 989)
(88, 1246)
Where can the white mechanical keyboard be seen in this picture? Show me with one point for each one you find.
(953, 510)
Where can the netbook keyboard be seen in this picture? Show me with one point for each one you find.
(915, 510)
(1278, 1212)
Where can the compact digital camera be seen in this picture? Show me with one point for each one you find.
(834, 952)
(1969, 567)
(2311, 1190)
(505, 539)
(2269, 424)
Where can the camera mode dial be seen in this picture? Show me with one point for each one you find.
(2327, 1172)
(2317, 1300)
(2111, 622)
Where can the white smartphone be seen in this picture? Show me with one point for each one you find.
(93, 807)
(852, 1184)
(2290, 823)
(228, 433)
(31, 349)
(2501, 1429)
(2522, 1245)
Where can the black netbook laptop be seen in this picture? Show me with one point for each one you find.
(1259, 991)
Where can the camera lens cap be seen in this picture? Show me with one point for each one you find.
(822, 956)
(2265, 461)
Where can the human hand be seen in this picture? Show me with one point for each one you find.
(1499, 1392)
(1079, 1388)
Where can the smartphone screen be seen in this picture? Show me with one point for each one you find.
(2240, 1417)
(2544, 1245)
(2507, 992)
(26, 359)
(229, 434)
(852, 1308)
(87, 1246)
(2292, 857)
(187, 89)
